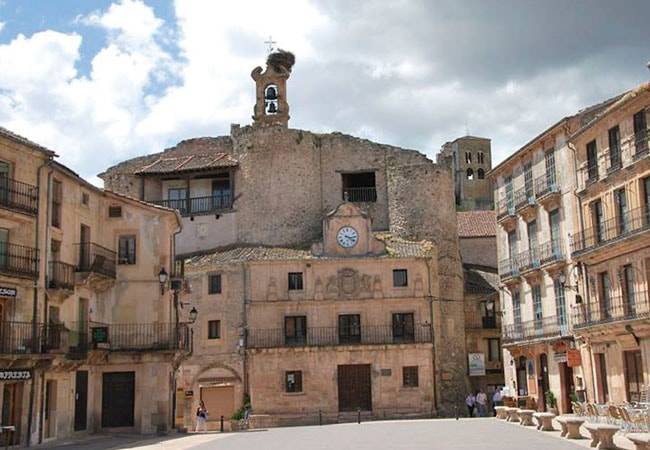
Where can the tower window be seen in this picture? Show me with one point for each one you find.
(470, 174)
(480, 173)
(480, 157)
(468, 158)
(359, 187)
(271, 99)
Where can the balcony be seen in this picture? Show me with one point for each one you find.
(478, 321)
(21, 338)
(626, 232)
(618, 308)
(640, 145)
(197, 206)
(18, 196)
(139, 337)
(547, 191)
(551, 253)
(95, 259)
(332, 336)
(18, 261)
(360, 194)
(61, 276)
(534, 330)
(506, 213)
(508, 268)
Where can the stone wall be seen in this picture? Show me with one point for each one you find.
(481, 251)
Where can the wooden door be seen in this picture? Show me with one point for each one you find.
(11, 412)
(219, 401)
(118, 399)
(543, 381)
(601, 378)
(633, 375)
(49, 419)
(354, 385)
(81, 400)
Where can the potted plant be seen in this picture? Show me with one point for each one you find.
(551, 402)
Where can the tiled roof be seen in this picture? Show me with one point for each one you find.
(476, 224)
(23, 140)
(480, 280)
(188, 163)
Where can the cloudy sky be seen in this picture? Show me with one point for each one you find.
(101, 81)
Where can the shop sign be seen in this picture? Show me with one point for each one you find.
(100, 335)
(8, 292)
(476, 364)
(560, 357)
(15, 374)
(189, 394)
(573, 358)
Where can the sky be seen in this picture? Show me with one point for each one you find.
(102, 81)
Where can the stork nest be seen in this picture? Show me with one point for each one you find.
(281, 60)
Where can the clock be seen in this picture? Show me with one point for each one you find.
(347, 237)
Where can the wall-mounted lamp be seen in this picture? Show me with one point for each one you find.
(562, 279)
(162, 277)
(193, 315)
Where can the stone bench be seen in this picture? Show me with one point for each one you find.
(544, 421)
(526, 417)
(641, 440)
(502, 412)
(570, 426)
(602, 435)
(512, 414)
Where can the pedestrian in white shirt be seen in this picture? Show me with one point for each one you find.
(481, 403)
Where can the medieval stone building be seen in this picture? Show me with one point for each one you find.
(274, 284)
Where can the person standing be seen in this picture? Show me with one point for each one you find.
(481, 403)
(497, 400)
(470, 401)
(201, 417)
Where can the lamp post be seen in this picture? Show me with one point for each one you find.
(162, 277)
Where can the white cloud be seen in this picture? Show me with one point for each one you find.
(2, 25)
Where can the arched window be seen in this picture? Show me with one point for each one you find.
(470, 174)
(271, 99)
(480, 173)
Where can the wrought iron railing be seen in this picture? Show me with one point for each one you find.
(615, 161)
(61, 275)
(542, 328)
(546, 184)
(18, 260)
(505, 207)
(333, 336)
(524, 196)
(18, 195)
(360, 194)
(96, 259)
(199, 205)
(509, 267)
(617, 307)
(551, 251)
(641, 144)
(139, 336)
(21, 337)
(476, 320)
(632, 222)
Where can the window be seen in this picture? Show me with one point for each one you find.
(597, 220)
(349, 328)
(295, 330)
(293, 381)
(480, 173)
(592, 161)
(560, 305)
(470, 174)
(640, 133)
(628, 290)
(214, 329)
(516, 310)
(271, 104)
(554, 221)
(403, 327)
(85, 198)
(214, 283)
(295, 281)
(410, 376)
(512, 245)
(537, 306)
(126, 250)
(549, 159)
(510, 198)
(494, 349)
(614, 136)
(177, 199)
(605, 301)
(359, 187)
(57, 200)
(114, 211)
(621, 210)
(400, 278)
(221, 192)
(468, 157)
(480, 156)
(528, 181)
(532, 243)
(488, 314)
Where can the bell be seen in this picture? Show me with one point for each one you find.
(271, 93)
(272, 109)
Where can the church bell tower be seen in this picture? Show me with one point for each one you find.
(271, 107)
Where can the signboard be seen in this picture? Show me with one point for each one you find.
(100, 335)
(476, 364)
(8, 292)
(189, 394)
(15, 374)
(560, 357)
(573, 358)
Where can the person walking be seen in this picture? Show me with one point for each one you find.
(201, 417)
(470, 401)
(497, 400)
(481, 403)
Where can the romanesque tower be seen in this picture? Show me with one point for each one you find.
(271, 107)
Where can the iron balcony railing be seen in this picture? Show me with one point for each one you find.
(61, 275)
(551, 251)
(641, 144)
(524, 196)
(333, 336)
(199, 205)
(615, 161)
(475, 320)
(632, 222)
(18, 196)
(21, 337)
(542, 328)
(617, 307)
(96, 259)
(592, 173)
(546, 253)
(509, 267)
(360, 194)
(18, 260)
(505, 207)
(140, 336)
(546, 184)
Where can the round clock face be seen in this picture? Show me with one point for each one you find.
(347, 237)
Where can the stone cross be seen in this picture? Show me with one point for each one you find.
(270, 43)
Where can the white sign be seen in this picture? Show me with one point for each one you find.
(18, 374)
(476, 364)
(8, 292)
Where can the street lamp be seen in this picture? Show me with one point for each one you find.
(193, 315)
(162, 277)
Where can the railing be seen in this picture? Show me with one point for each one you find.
(528, 259)
(523, 197)
(592, 173)
(61, 275)
(332, 336)
(505, 207)
(477, 321)
(199, 205)
(614, 159)
(360, 194)
(542, 328)
(641, 144)
(546, 184)
(619, 307)
(508, 267)
(97, 259)
(18, 260)
(633, 221)
(19, 196)
(140, 336)
(551, 251)
(19, 338)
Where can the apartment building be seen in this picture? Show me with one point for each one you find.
(87, 331)
(611, 246)
(534, 193)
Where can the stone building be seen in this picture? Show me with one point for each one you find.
(470, 159)
(478, 250)
(79, 295)
(536, 215)
(611, 248)
(270, 186)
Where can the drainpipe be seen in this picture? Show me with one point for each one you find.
(433, 341)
